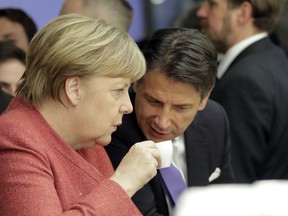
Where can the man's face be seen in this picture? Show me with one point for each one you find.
(71, 6)
(217, 22)
(14, 32)
(165, 108)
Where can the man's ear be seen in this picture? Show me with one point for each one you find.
(204, 102)
(72, 90)
(245, 12)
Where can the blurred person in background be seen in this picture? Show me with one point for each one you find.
(116, 12)
(251, 84)
(16, 26)
(189, 18)
(12, 66)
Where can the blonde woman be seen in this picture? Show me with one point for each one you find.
(70, 100)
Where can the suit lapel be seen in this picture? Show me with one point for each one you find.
(257, 47)
(197, 154)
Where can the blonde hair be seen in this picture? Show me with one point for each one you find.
(74, 45)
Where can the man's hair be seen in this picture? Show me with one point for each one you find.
(75, 45)
(184, 55)
(19, 16)
(8, 51)
(116, 12)
(265, 12)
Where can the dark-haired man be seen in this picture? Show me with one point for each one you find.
(171, 103)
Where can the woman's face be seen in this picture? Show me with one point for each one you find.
(104, 102)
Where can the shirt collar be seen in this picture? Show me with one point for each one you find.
(235, 50)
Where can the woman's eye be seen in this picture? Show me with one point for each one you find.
(120, 90)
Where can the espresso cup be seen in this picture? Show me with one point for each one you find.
(166, 152)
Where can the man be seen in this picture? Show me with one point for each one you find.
(252, 84)
(117, 12)
(169, 104)
(16, 26)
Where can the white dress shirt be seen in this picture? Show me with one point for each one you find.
(179, 156)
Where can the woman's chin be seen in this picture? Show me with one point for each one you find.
(104, 141)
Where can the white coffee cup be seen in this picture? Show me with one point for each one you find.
(166, 152)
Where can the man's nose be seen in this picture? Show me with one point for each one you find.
(163, 119)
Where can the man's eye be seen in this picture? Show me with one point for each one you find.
(155, 103)
(181, 107)
(152, 101)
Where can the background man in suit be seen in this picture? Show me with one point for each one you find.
(252, 84)
(116, 12)
(170, 104)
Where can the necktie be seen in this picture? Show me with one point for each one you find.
(173, 182)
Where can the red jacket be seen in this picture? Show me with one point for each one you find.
(42, 175)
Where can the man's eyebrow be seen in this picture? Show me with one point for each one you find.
(188, 105)
(150, 97)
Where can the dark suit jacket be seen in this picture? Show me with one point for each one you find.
(207, 143)
(254, 93)
(4, 100)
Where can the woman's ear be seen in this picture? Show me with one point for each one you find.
(72, 90)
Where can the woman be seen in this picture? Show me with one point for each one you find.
(73, 95)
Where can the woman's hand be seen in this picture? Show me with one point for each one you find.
(137, 167)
